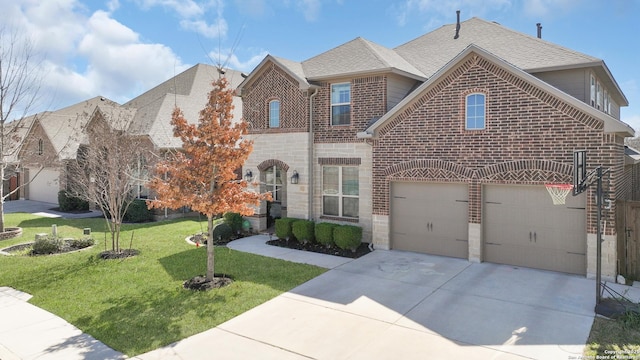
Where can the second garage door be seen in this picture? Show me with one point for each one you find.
(522, 227)
(44, 186)
(430, 218)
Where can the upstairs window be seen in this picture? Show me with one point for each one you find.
(341, 104)
(475, 112)
(593, 91)
(40, 147)
(599, 95)
(274, 113)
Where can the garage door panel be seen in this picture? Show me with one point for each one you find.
(44, 185)
(430, 218)
(522, 227)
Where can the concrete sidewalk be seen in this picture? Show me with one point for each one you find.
(44, 209)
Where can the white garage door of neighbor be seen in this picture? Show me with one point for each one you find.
(430, 218)
(44, 186)
(522, 227)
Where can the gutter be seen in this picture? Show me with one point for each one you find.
(310, 154)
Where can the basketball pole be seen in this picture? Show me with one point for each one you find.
(599, 237)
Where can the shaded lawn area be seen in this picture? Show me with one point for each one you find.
(138, 304)
(614, 339)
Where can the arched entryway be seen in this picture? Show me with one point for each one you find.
(273, 179)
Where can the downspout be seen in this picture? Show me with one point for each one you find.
(311, 144)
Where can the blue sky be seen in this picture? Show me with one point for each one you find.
(120, 48)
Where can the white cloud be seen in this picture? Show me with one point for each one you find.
(633, 120)
(193, 15)
(228, 59)
(444, 12)
(184, 8)
(216, 30)
(310, 9)
(543, 8)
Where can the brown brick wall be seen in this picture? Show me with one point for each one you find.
(529, 138)
(29, 153)
(368, 101)
(275, 84)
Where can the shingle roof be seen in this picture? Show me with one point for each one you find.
(189, 91)
(433, 50)
(357, 56)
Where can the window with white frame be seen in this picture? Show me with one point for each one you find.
(341, 104)
(274, 113)
(605, 100)
(475, 111)
(598, 95)
(340, 191)
(593, 91)
(274, 180)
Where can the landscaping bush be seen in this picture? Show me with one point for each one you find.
(222, 233)
(234, 220)
(324, 233)
(82, 243)
(347, 236)
(71, 203)
(303, 230)
(283, 228)
(44, 246)
(138, 212)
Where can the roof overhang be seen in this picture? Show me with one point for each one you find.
(352, 74)
(303, 84)
(611, 125)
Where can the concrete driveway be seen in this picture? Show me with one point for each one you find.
(402, 305)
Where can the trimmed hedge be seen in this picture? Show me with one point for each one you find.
(45, 246)
(347, 236)
(138, 212)
(234, 220)
(222, 233)
(303, 230)
(71, 203)
(324, 233)
(283, 228)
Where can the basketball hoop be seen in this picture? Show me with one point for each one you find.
(558, 192)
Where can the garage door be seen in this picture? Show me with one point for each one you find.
(44, 186)
(522, 227)
(430, 218)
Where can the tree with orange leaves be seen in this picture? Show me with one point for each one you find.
(202, 175)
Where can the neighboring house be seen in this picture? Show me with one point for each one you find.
(443, 145)
(55, 137)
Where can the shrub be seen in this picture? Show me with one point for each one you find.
(222, 233)
(283, 228)
(303, 230)
(324, 233)
(44, 246)
(234, 220)
(71, 203)
(138, 212)
(347, 236)
(82, 243)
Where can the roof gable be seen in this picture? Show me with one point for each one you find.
(432, 86)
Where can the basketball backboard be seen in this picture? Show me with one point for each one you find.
(579, 171)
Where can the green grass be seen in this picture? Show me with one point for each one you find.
(138, 304)
(619, 337)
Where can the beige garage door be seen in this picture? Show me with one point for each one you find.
(44, 186)
(430, 218)
(522, 227)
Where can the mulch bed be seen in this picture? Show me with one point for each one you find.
(122, 254)
(200, 283)
(362, 250)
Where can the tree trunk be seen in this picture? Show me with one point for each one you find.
(1, 196)
(210, 249)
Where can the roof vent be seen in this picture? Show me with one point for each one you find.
(457, 25)
(539, 30)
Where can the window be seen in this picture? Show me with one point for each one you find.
(475, 112)
(598, 95)
(605, 98)
(273, 181)
(341, 104)
(40, 147)
(274, 113)
(340, 191)
(593, 91)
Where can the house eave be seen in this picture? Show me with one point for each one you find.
(393, 70)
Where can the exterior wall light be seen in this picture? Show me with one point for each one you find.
(295, 177)
(248, 175)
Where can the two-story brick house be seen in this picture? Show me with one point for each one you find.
(443, 145)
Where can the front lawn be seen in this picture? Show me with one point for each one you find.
(614, 339)
(138, 304)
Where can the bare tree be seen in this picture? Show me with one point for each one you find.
(19, 90)
(108, 167)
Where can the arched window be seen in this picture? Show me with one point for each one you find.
(475, 111)
(274, 113)
(40, 147)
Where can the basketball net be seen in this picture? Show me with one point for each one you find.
(559, 192)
